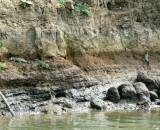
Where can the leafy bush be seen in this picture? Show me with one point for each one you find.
(25, 3)
(1, 44)
(62, 2)
(82, 8)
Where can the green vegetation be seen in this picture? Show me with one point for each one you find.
(25, 3)
(82, 8)
(1, 44)
(2, 66)
(62, 2)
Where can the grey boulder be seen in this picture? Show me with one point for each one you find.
(148, 81)
(142, 91)
(153, 95)
(97, 104)
(113, 95)
(127, 91)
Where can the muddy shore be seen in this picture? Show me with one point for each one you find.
(69, 88)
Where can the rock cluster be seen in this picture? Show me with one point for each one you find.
(136, 93)
(142, 92)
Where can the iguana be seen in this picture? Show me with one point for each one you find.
(1, 44)
(16, 59)
(2, 66)
(43, 65)
(146, 58)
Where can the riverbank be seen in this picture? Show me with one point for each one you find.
(69, 88)
(94, 47)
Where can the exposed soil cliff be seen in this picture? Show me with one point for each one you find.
(112, 29)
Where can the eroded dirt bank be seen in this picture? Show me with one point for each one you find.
(88, 54)
(47, 29)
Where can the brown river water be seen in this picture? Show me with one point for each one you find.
(93, 120)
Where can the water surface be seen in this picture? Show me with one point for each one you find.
(94, 120)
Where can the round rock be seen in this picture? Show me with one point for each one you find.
(153, 95)
(97, 104)
(127, 91)
(142, 91)
(113, 95)
(147, 80)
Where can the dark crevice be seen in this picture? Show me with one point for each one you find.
(59, 93)
(109, 5)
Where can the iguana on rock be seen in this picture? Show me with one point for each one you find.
(2, 66)
(43, 65)
(16, 59)
(146, 58)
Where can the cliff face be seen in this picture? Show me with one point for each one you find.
(113, 27)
